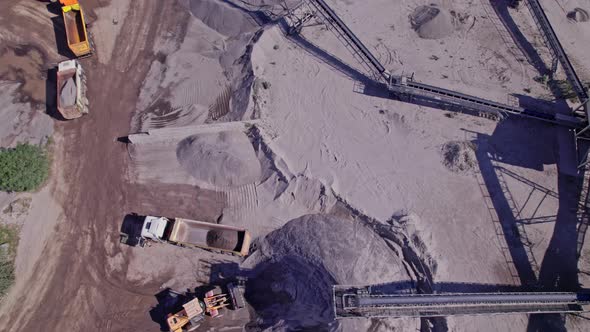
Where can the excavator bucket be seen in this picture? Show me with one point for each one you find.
(215, 300)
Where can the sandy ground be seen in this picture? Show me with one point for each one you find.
(569, 32)
(373, 165)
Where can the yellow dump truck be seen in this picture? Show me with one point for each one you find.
(75, 27)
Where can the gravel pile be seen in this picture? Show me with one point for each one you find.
(459, 156)
(221, 17)
(431, 22)
(298, 264)
(67, 94)
(222, 239)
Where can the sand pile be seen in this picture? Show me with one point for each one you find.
(431, 22)
(578, 15)
(67, 94)
(222, 239)
(220, 159)
(222, 17)
(459, 156)
(297, 265)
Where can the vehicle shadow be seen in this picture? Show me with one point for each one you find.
(131, 230)
(59, 31)
(169, 301)
(51, 94)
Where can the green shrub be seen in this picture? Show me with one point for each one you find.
(23, 168)
(8, 243)
(565, 89)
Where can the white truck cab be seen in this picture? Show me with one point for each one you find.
(153, 228)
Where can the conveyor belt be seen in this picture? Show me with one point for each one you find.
(418, 90)
(349, 39)
(355, 302)
(455, 299)
(440, 95)
(557, 49)
(472, 310)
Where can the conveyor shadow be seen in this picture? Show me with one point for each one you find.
(501, 7)
(536, 148)
(408, 287)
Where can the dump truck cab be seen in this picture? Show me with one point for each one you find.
(154, 228)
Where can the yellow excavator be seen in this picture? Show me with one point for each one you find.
(195, 310)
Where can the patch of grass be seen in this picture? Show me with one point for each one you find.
(23, 168)
(565, 89)
(8, 243)
(541, 79)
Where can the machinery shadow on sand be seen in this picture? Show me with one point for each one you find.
(288, 291)
(536, 148)
(501, 7)
(59, 30)
(51, 94)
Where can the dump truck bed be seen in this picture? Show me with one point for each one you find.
(209, 236)
(71, 90)
(75, 27)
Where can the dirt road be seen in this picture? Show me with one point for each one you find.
(76, 287)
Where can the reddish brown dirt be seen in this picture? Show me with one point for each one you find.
(83, 293)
